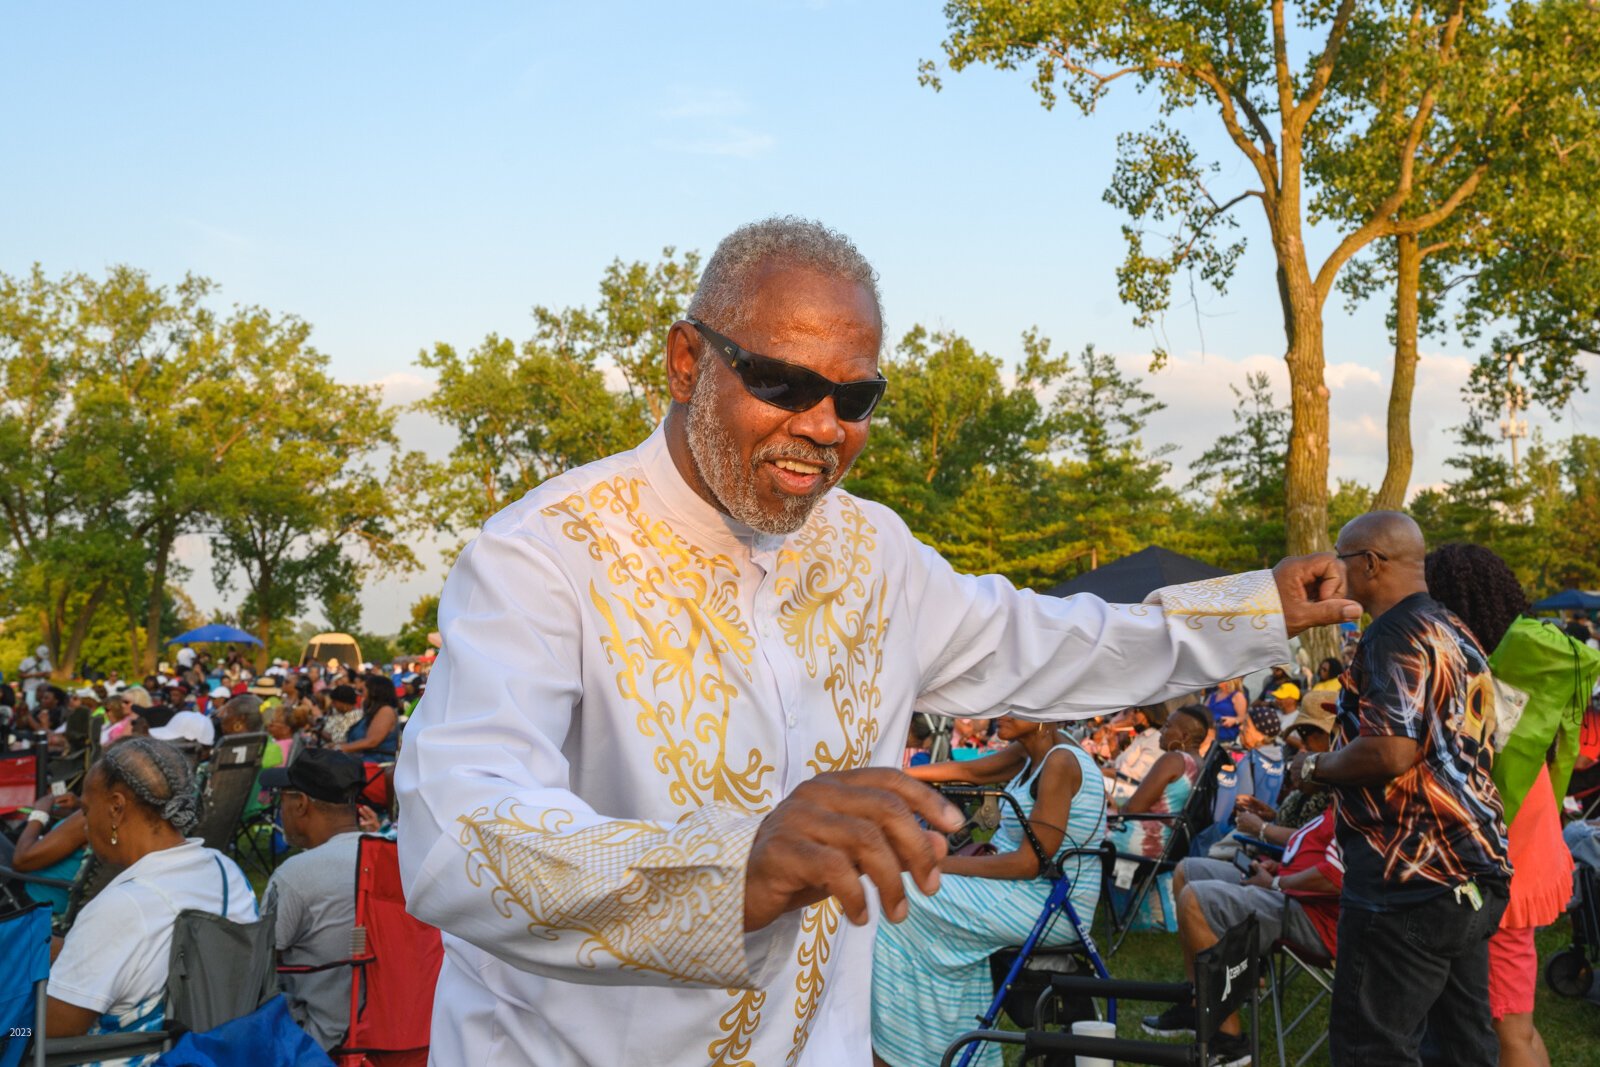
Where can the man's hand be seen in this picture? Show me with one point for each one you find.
(1250, 823)
(1262, 872)
(1311, 589)
(1297, 778)
(837, 827)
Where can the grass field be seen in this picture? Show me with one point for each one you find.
(1571, 1028)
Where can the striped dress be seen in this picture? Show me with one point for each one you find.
(930, 973)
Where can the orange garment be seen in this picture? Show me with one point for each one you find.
(1541, 880)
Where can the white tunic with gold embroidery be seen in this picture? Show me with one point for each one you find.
(629, 679)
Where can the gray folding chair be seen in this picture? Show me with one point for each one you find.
(235, 763)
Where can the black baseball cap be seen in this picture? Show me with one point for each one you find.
(321, 774)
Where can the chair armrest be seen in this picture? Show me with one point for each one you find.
(35, 879)
(67, 1051)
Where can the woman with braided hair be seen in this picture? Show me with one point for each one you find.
(110, 975)
(1542, 683)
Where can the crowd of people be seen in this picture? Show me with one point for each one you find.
(1444, 837)
(126, 762)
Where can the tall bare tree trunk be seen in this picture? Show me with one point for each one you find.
(1306, 476)
(263, 597)
(1397, 477)
(158, 594)
(80, 629)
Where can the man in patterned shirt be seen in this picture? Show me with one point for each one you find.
(1420, 823)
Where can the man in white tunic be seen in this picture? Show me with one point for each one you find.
(651, 780)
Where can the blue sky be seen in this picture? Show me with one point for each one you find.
(401, 174)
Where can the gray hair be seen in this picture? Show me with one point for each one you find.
(246, 708)
(722, 301)
(157, 775)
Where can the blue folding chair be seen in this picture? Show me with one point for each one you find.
(25, 946)
(1059, 902)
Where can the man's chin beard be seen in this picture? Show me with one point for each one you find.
(716, 458)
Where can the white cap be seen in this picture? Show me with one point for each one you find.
(187, 726)
(221, 692)
(43, 651)
(87, 694)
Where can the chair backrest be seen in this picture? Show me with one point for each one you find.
(219, 970)
(23, 777)
(235, 762)
(25, 946)
(391, 996)
(1226, 975)
(1197, 810)
(94, 874)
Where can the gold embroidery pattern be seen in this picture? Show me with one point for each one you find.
(1252, 597)
(817, 927)
(684, 637)
(828, 607)
(666, 900)
(831, 607)
(738, 1025)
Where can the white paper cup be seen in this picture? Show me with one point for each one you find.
(1094, 1028)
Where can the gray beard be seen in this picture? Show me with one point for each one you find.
(716, 457)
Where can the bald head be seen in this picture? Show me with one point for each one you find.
(1383, 554)
(1390, 533)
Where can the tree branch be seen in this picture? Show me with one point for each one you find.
(1322, 73)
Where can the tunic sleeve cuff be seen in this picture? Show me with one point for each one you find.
(657, 902)
(1249, 599)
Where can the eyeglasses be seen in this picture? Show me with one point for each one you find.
(1364, 552)
(792, 387)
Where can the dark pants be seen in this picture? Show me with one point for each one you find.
(1425, 968)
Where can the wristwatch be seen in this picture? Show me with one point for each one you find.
(1308, 769)
(1276, 887)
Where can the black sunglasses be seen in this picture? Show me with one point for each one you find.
(1364, 552)
(791, 387)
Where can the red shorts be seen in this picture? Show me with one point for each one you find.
(1513, 971)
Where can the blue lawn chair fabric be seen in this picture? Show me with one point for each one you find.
(267, 1037)
(25, 947)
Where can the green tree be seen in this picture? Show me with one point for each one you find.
(412, 640)
(1242, 66)
(301, 501)
(1023, 480)
(1499, 143)
(525, 413)
(1240, 476)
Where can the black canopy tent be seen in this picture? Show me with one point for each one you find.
(1132, 578)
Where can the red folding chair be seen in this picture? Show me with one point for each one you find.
(395, 962)
(24, 777)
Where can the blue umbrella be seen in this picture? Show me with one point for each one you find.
(1569, 600)
(216, 632)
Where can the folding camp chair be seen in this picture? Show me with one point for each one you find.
(394, 961)
(1570, 971)
(25, 946)
(1226, 976)
(1017, 985)
(217, 971)
(24, 776)
(1285, 962)
(231, 782)
(1143, 871)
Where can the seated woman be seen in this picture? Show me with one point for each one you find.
(930, 974)
(1165, 790)
(57, 853)
(111, 973)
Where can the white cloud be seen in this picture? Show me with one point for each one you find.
(704, 104)
(733, 141)
(1200, 409)
(700, 120)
